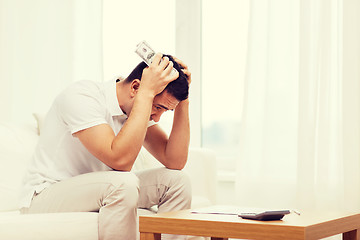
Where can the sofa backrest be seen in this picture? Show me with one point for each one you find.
(17, 143)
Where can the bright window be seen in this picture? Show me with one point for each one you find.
(224, 42)
(126, 23)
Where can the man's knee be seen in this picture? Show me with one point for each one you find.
(123, 179)
(123, 186)
(178, 194)
(179, 180)
(179, 177)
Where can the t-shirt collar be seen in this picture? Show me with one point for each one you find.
(111, 99)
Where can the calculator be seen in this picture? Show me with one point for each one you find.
(266, 215)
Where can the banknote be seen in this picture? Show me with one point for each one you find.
(147, 54)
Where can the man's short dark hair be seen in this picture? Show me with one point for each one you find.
(179, 88)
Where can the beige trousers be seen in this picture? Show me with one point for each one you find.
(116, 196)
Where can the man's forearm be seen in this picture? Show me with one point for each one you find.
(129, 140)
(178, 144)
(119, 152)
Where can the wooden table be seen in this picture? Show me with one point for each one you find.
(221, 227)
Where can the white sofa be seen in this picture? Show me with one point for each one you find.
(17, 142)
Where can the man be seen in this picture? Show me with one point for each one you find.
(91, 137)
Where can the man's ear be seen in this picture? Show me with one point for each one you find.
(134, 87)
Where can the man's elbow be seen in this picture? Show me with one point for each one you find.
(124, 164)
(176, 165)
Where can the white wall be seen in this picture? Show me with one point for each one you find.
(188, 48)
(126, 23)
(44, 46)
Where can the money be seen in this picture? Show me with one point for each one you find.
(147, 54)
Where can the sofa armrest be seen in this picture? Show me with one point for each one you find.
(201, 168)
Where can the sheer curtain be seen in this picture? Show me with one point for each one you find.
(299, 144)
(44, 46)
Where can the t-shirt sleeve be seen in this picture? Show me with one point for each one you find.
(151, 123)
(80, 110)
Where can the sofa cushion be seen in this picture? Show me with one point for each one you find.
(64, 226)
(17, 143)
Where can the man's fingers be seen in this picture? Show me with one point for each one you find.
(185, 69)
(186, 72)
(157, 59)
(174, 75)
(181, 63)
(168, 72)
(164, 63)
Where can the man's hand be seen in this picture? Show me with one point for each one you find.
(172, 151)
(185, 70)
(158, 75)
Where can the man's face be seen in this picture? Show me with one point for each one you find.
(162, 103)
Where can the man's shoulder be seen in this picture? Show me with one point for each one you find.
(80, 104)
(80, 93)
(84, 85)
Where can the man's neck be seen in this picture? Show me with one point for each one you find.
(120, 94)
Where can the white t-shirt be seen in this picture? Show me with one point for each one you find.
(59, 155)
